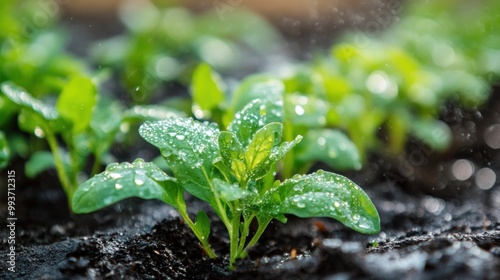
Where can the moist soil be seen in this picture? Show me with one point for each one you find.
(432, 226)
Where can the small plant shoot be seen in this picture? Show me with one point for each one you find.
(234, 172)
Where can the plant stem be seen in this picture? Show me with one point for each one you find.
(256, 237)
(97, 164)
(244, 234)
(234, 237)
(61, 172)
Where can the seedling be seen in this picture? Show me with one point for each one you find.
(234, 172)
(78, 128)
(303, 115)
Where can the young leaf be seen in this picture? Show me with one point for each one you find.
(39, 162)
(232, 153)
(254, 116)
(257, 87)
(189, 148)
(76, 102)
(207, 88)
(151, 113)
(329, 146)
(228, 192)
(25, 100)
(323, 194)
(434, 133)
(259, 150)
(4, 150)
(203, 224)
(309, 111)
(120, 181)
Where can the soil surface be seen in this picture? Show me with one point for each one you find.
(433, 226)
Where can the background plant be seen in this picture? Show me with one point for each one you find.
(233, 171)
(398, 81)
(163, 44)
(79, 128)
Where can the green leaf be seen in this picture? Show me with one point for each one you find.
(228, 192)
(77, 101)
(203, 224)
(4, 150)
(254, 116)
(24, 99)
(39, 162)
(255, 87)
(259, 150)
(121, 181)
(308, 111)
(232, 153)
(434, 133)
(207, 88)
(323, 194)
(330, 146)
(151, 113)
(189, 148)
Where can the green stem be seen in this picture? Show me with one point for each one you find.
(234, 237)
(97, 164)
(208, 249)
(260, 230)
(244, 234)
(61, 172)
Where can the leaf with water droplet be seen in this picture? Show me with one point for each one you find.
(77, 101)
(309, 111)
(232, 153)
(255, 116)
(229, 192)
(34, 112)
(259, 150)
(22, 98)
(254, 87)
(141, 113)
(202, 223)
(121, 181)
(323, 194)
(191, 156)
(330, 146)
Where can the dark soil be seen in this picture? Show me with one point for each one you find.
(433, 227)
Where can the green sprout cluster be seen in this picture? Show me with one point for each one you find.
(234, 172)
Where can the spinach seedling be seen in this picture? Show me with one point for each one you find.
(79, 127)
(303, 115)
(233, 171)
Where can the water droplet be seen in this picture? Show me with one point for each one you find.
(180, 137)
(299, 110)
(118, 186)
(115, 175)
(39, 132)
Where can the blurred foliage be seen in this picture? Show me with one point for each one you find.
(396, 82)
(164, 44)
